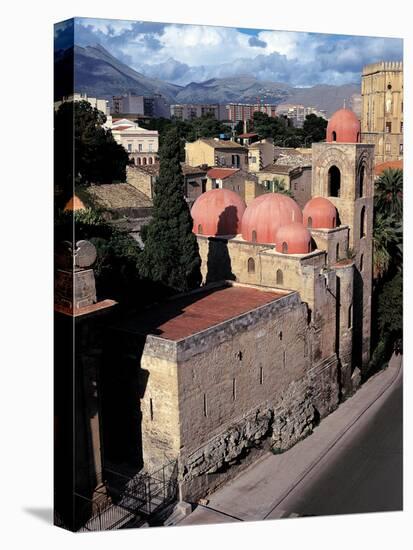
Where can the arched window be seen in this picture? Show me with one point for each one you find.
(251, 265)
(144, 160)
(139, 160)
(334, 136)
(337, 251)
(361, 181)
(350, 316)
(199, 229)
(133, 161)
(363, 222)
(150, 160)
(285, 248)
(280, 277)
(310, 222)
(334, 181)
(254, 236)
(361, 262)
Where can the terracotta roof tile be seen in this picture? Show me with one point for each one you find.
(221, 173)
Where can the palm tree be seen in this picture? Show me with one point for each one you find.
(387, 242)
(389, 193)
(278, 186)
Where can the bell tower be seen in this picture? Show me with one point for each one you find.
(343, 172)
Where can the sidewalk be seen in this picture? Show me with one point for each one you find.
(257, 493)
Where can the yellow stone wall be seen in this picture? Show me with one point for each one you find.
(160, 429)
(382, 103)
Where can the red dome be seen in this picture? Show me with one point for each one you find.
(218, 212)
(266, 214)
(343, 127)
(320, 213)
(293, 238)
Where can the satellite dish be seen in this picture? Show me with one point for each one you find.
(85, 254)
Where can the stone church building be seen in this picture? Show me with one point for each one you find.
(280, 332)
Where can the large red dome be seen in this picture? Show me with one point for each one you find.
(320, 213)
(293, 238)
(343, 127)
(266, 214)
(218, 212)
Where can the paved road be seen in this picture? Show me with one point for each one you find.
(363, 473)
(352, 463)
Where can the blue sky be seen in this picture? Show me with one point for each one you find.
(187, 53)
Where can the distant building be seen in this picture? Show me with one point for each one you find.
(290, 166)
(382, 109)
(260, 153)
(132, 104)
(141, 144)
(189, 111)
(216, 152)
(100, 104)
(238, 112)
(144, 178)
(297, 113)
(243, 183)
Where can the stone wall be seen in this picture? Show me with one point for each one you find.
(333, 241)
(140, 179)
(213, 397)
(277, 424)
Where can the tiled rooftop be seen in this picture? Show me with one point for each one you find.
(221, 173)
(192, 313)
(113, 195)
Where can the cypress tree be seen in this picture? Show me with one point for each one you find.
(171, 254)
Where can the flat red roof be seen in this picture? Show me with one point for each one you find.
(192, 313)
(221, 173)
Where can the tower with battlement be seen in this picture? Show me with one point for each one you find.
(382, 109)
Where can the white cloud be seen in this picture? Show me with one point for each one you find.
(185, 53)
(111, 27)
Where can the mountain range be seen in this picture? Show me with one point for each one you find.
(99, 74)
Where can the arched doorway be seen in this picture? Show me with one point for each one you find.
(334, 181)
(251, 265)
(279, 277)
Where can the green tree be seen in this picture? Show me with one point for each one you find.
(390, 308)
(387, 239)
(389, 193)
(170, 253)
(314, 128)
(98, 158)
(205, 126)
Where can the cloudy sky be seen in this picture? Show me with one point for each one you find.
(192, 53)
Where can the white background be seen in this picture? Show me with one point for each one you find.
(26, 273)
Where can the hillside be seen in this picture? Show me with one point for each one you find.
(99, 74)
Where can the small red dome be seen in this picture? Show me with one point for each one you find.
(266, 214)
(320, 213)
(218, 212)
(74, 204)
(293, 238)
(343, 127)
